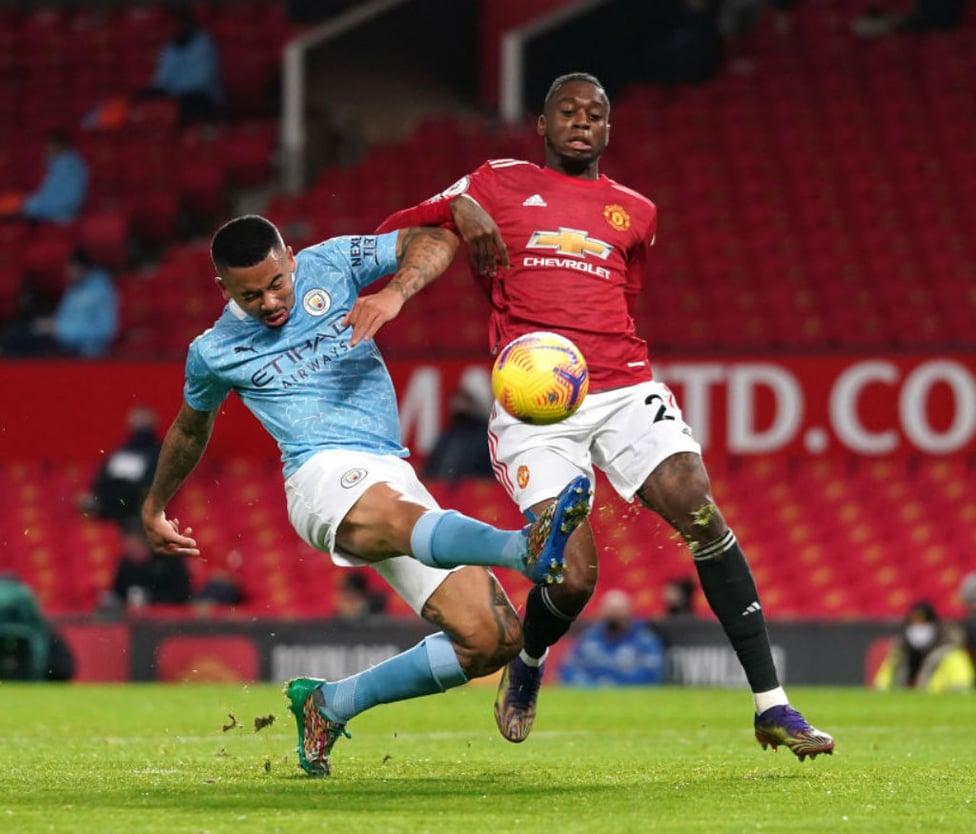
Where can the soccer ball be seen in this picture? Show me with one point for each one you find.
(540, 378)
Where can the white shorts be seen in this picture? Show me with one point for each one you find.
(325, 488)
(625, 433)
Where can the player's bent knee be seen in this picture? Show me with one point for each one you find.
(473, 610)
(489, 640)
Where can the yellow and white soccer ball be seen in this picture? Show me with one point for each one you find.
(540, 378)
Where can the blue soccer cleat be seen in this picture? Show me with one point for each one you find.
(546, 537)
(784, 725)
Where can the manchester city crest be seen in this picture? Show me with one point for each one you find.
(317, 302)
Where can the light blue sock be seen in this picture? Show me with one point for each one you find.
(429, 667)
(446, 539)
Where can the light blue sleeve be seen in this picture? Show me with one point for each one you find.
(364, 258)
(202, 390)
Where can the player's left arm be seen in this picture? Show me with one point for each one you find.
(422, 255)
(636, 272)
(637, 263)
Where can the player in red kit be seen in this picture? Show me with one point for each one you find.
(563, 248)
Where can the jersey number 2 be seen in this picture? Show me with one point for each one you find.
(662, 409)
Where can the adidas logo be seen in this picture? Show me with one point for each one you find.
(751, 608)
(535, 200)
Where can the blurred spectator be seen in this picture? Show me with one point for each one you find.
(85, 321)
(617, 650)
(117, 492)
(679, 597)
(30, 648)
(928, 655)
(967, 592)
(143, 577)
(222, 588)
(924, 16)
(355, 599)
(61, 194)
(188, 69)
(462, 449)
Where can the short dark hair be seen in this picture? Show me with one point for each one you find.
(244, 241)
(562, 80)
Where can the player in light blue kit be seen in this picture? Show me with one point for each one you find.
(295, 342)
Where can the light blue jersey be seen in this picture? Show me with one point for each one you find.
(309, 389)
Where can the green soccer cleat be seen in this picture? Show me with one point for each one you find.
(316, 734)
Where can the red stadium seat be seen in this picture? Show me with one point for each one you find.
(45, 255)
(202, 187)
(105, 237)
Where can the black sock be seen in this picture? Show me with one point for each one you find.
(544, 624)
(731, 592)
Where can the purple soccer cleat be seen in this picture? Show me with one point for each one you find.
(784, 725)
(515, 701)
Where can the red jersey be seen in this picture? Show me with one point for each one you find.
(577, 250)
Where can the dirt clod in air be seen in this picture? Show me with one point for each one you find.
(262, 721)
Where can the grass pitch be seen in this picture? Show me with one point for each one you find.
(156, 758)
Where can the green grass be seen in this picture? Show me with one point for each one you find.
(148, 758)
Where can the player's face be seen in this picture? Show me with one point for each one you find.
(575, 127)
(264, 291)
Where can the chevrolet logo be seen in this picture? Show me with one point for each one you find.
(570, 242)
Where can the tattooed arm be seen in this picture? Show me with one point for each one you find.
(183, 447)
(422, 255)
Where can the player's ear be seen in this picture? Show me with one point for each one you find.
(540, 126)
(292, 264)
(607, 140)
(223, 289)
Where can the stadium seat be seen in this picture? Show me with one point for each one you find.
(45, 256)
(105, 237)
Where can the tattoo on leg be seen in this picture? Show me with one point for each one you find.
(480, 657)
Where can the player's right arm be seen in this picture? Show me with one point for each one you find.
(182, 449)
(480, 231)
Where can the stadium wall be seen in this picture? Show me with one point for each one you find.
(803, 405)
(179, 650)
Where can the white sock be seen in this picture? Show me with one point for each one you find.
(534, 662)
(772, 698)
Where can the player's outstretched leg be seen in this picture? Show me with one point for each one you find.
(547, 535)
(518, 690)
(784, 725)
(316, 734)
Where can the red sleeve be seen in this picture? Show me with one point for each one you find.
(636, 271)
(433, 212)
(637, 265)
(437, 210)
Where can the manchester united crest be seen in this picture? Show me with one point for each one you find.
(617, 217)
(522, 476)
